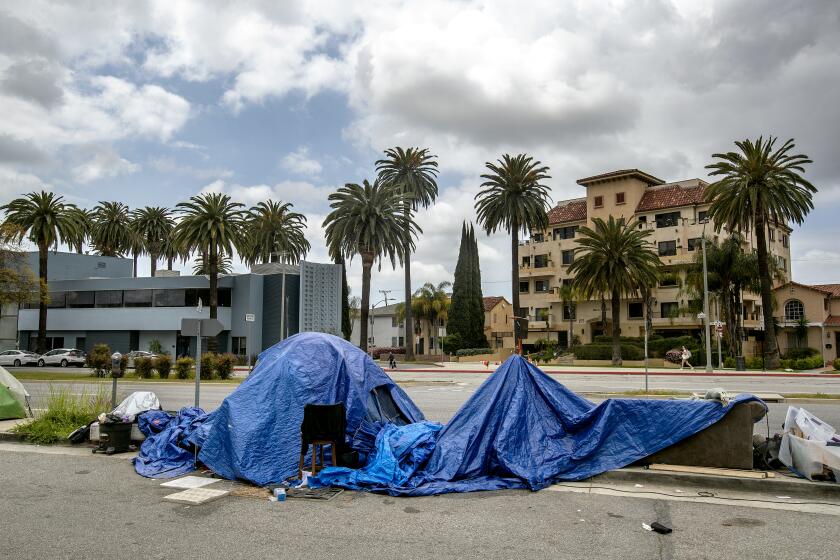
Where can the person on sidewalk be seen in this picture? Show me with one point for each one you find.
(392, 361)
(686, 355)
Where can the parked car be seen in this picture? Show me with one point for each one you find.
(18, 358)
(63, 357)
(134, 354)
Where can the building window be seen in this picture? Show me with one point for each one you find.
(567, 232)
(526, 262)
(540, 261)
(569, 312)
(239, 345)
(541, 314)
(170, 298)
(80, 299)
(702, 216)
(636, 310)
(693, 243)
(669, 219)
(771, 233)
(668, 280)
(794, 310)
(137, 298)
(670, 309)
(667, 248)
(394, 321)
(109, 298)
(781, 262)
(394, 342)
(540, 286)
(524, 288)
(794, 341)
(785, 241)
(619, 198)
(58, 300)
(568, 257)
(599, 201)
(537, 237)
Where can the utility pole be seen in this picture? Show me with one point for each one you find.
(706, 303)
(385, 295)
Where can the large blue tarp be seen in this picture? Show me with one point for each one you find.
(166, 452)
(255, 434)
(523, 429)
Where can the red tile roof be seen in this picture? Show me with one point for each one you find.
(818, 288)
(492, 301)
(671, 196)
(833, 320)
(833, 289)
(568, 211)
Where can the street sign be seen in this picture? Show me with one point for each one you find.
(250, 317)
(209, 327)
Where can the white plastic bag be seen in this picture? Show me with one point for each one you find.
(805, 448)
(137, 402)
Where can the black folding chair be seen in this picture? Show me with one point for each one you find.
(323, 424)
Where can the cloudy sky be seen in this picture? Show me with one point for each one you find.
(152, 102)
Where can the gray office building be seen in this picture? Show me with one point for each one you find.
(129, 313)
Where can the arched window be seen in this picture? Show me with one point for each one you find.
(794, 310)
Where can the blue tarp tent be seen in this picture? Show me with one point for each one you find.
(523, 429)
(255, 434)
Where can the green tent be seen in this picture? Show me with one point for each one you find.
(14, 400)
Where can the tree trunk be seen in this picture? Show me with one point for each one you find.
(514, 280)
(616, 330)
(364, 311)
(409, 332)
(135, 264)
(154, 258)
(771, 348)
(212, 260)
(169, 263)
(79, 249)
(43, 294)
(570, 343)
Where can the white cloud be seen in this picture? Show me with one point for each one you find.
(299, 162)
(105, 163)
(170, 165)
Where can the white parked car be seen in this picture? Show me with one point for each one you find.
(18, 358)
(63, 357)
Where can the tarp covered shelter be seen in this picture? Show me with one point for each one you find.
(523, 429)
(14, 399)
(255, 434)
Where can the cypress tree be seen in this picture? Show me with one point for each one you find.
(476, 336)
(465, 325)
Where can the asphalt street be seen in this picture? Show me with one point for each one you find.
(85, 506)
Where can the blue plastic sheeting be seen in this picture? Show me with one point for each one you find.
(523, 429)
(255, 433)
(400, 451)
(165, 453)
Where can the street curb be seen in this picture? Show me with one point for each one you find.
(778, 486)
(637, 373)
(11, 436)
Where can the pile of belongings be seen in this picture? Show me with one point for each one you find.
(133, 406)
(14, 399)
(810, 447)
(520, 429)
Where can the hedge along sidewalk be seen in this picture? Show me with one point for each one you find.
(43, 376)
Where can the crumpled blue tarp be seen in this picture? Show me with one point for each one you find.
(255, 433)
(523, 429)
(165, 453)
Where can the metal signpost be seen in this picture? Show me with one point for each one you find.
(199, 328)
(249, 318)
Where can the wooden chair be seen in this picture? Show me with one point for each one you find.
(323, 424)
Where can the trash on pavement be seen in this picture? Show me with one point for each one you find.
(807, 446)
(647, 527)
(660, 528)
(14, 398)
(137, 403)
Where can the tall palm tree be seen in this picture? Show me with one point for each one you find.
(136, 244)
(201, 267)
(85, 219)
(760, 185)
(212, 225)
(154, 225)
(514, 199)
(111, 236)
(414, 173)
(431, 304)
(275, 232)
(45, 219)
(366, 220)
(615, 259)
(568, 301)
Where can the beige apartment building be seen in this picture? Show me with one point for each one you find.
(498, 322)
(675, 212)
(817, 308)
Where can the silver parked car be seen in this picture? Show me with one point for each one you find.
(18, 358)
(134, 354)
(63, 357)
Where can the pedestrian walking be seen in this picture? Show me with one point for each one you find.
(392, 361)
(686, 355)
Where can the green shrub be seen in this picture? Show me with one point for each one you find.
(208, 365)
(836, 364)
(754, 363)
(123, 367)
(658, 347)
(155, 346)
(452, 343)
(729, 362)
(99, 360)
(143, 367)
(224, 365)
(65, 412)
(797, 353)
(634, 340)
(604, 352)
(800, 364)
(163, 365)
(183, 366)
(473, 351)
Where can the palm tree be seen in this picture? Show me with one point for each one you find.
(414, 173)
(366, 220)
(430, 304)
(513, 198)
(44, 219)
(759, 186)
(615, 259)
(111, 236)
(275, 232)
(136, 244)
(568, 301)
(154, 225)
(201, 267)
(85, 219)
(212, 225)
